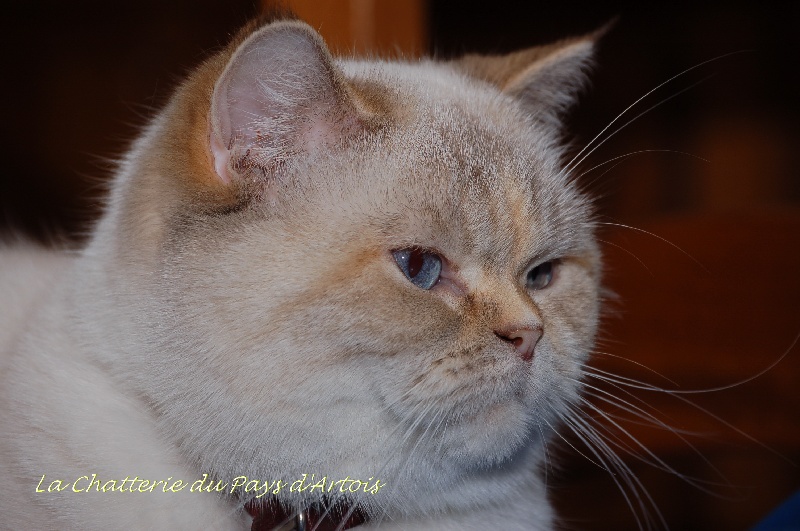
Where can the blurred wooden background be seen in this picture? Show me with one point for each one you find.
(710, 299)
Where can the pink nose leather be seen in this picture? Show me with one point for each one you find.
(523, 339)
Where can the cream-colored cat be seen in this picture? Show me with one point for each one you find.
(374, 272)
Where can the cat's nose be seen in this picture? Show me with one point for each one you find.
(523, 339)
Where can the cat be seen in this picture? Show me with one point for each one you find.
(353, 290)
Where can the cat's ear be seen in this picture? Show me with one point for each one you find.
(280, 97)
(547, 79)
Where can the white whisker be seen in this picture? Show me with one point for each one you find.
(633, 484)
(642, 365)
(692, 258)
(571, 164)
(654, 460)
(629, 253)
(575, 163)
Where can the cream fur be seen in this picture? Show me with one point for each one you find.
(238, 311)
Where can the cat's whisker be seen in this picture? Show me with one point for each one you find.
(596, 191)
(646, 387)
(405, 425)
(653, 460)
(577, 162)
(694, 481)
(625, 478)
(418, 417)
(404, 439)
(671, 244)
(409, 425)
(650, 425)
(647, 419)
(624, 381)
(616, 401)
(588, 185)
(626, 156)
(414, 388)
(571, 165)
(634, 484)
(616, 381)
(443, 420)
(730, 426)
(606, 242)
(547, 458)
(343, 520)
(421, 436)
(446, 419)
(622, 384)
(603, 433)
(560, 436)
(623, 358)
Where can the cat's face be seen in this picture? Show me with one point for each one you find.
(406, 286)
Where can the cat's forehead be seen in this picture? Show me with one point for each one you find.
(468, 130)
(440, 95)
(463, 166)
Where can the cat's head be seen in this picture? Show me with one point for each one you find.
(363, 268)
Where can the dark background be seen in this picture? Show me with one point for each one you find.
(81, 78)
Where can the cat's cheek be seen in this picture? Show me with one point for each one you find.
(572, 295)
(424, 313)
(451, 291)
(569, 307)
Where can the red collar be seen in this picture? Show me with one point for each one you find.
(271, 516)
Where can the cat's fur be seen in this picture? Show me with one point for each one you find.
(238, 310)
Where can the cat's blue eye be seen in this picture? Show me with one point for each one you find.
(540, 276)
(421, 267)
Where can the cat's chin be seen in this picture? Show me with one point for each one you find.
(492, 436)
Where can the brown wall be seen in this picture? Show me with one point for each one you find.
(367, 27)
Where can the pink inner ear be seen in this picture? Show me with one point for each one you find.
(321, 131)
(277, 99)
(222, 155)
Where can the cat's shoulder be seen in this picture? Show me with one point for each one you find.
(28, 273)
(26, 268)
